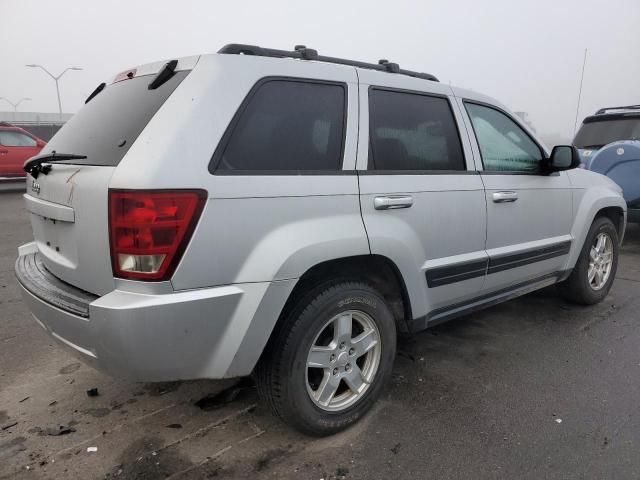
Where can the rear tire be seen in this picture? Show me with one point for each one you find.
(591, 278)
(347, 332)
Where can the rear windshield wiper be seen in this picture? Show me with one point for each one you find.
(34, 166)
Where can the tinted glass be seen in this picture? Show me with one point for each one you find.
(412, 132)
(288, 125)
(117, 114)
(504, 146)
(599, 133)
(10, 138)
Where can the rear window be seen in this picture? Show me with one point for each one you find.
(598, 133)
(286, 126)
(106, 127)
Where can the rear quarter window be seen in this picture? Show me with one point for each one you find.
(285, 125)
(106, 127)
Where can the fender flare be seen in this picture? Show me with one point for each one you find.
(592, 202)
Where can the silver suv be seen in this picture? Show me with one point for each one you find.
(286, 215)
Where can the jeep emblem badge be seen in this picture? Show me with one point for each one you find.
(35, 187)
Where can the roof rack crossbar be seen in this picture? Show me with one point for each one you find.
(304, 53)
(624, 107)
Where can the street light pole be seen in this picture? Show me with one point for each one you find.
(55, 79)
(15, 105)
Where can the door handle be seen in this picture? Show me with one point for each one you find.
(4, 152)
(505, 197)
(392, 202)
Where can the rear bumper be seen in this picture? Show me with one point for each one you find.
(182, 335)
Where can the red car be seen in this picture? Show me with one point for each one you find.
(16, 146)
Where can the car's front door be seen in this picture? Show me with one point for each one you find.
(529, 212)
(422, 200)
(15, 148)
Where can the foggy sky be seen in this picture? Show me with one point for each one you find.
(528, 54)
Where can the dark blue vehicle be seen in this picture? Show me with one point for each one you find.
(609, 143)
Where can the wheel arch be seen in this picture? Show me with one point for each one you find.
(596, 202)
(377, 270)
(617, 217)
(281, 296)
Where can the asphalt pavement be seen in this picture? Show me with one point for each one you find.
(533, 388)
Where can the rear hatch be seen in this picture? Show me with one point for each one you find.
(599, 130)
(69, 205)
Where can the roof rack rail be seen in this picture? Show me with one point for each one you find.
(304, 53)
(625, 107)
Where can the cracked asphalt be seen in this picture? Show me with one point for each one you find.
(534, 388)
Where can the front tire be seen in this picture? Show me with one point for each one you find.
(329, 358)
(596, 267)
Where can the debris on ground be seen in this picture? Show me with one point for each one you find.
(267, 457)
(158, 389)
(92, 392)
(59, 430)
(53, 403)
(342, 472)
(24, 399)
(92, 449)
(558, 420)
(395, 449)
(174, 425)
(7, 426)
(97, 412)
(226, 396)
(70, 368)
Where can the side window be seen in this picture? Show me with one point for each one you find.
(288, 125)
(504, 146)
(10, 138)
(412, 132)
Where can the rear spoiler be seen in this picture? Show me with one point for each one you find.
(184, 63)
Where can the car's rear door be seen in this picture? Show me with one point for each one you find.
(529, 212)
(422, 200)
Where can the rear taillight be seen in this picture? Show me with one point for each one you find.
(149, 230)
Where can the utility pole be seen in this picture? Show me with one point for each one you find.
(575, 123)
(56, 79)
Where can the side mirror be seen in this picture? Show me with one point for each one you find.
(563, 157)
(40, 143)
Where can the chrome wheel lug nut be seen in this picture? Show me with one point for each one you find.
(332, 357)
(347, 367)
(335, 371)
(352, 351)
(342, 346)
